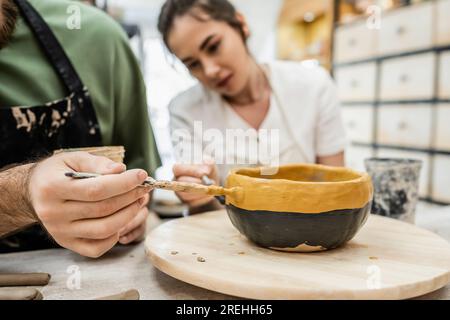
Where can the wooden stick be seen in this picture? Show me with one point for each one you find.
(24, 279)
(132, 294)
(171, 185)
(191, 187)
(20, 294)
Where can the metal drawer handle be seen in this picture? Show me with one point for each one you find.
(404, 78)
(402, 126)
(351, 42)
(401, 30)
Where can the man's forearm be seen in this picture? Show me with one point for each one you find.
(16, 211)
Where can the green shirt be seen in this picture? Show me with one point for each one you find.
(105, 63)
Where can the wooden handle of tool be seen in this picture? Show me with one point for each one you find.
(23, 279)
(189, 187)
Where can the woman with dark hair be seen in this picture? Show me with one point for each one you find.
(237, 93)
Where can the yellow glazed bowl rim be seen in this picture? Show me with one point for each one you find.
(353, 191)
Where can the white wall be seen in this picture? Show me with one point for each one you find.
(262, 16)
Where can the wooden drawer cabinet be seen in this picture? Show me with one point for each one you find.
(406, 29)
(405, 125)
(354, 42)
(441, 178)
(408, 78)
(356, 83)
(358, 122)
(442, 135)
(444, 75)
(423, 156)
(399, 99)
(442, 22)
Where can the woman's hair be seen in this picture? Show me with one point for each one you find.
(220, 10)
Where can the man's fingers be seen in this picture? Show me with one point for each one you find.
(146, 199)
(76, 210)
(104, 228)
(95, 248)
(141, 218)
(103, 187)
(85, 162)
(88, 247)
(137, 234)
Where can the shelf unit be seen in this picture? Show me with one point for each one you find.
(394, 85)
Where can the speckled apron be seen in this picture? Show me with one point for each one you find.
(29, 133)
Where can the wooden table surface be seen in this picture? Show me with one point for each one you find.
(127, 267)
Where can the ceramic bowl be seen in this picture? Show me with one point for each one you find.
(301, 208)
(115, 153)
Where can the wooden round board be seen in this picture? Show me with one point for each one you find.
(387, 259)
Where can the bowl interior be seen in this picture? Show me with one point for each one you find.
(114, 153)
(303, 173)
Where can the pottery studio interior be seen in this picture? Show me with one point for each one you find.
(173, 169)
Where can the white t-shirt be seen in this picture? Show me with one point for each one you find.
(303, 122)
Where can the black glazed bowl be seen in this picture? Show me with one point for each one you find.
(301, 208)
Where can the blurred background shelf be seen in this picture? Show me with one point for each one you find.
(394, 83)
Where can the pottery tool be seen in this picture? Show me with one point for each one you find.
(20, 294)
(209, 182)
(24, 279)
(172, 185)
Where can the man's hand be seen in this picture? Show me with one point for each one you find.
(88, 216)
(135, 230)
